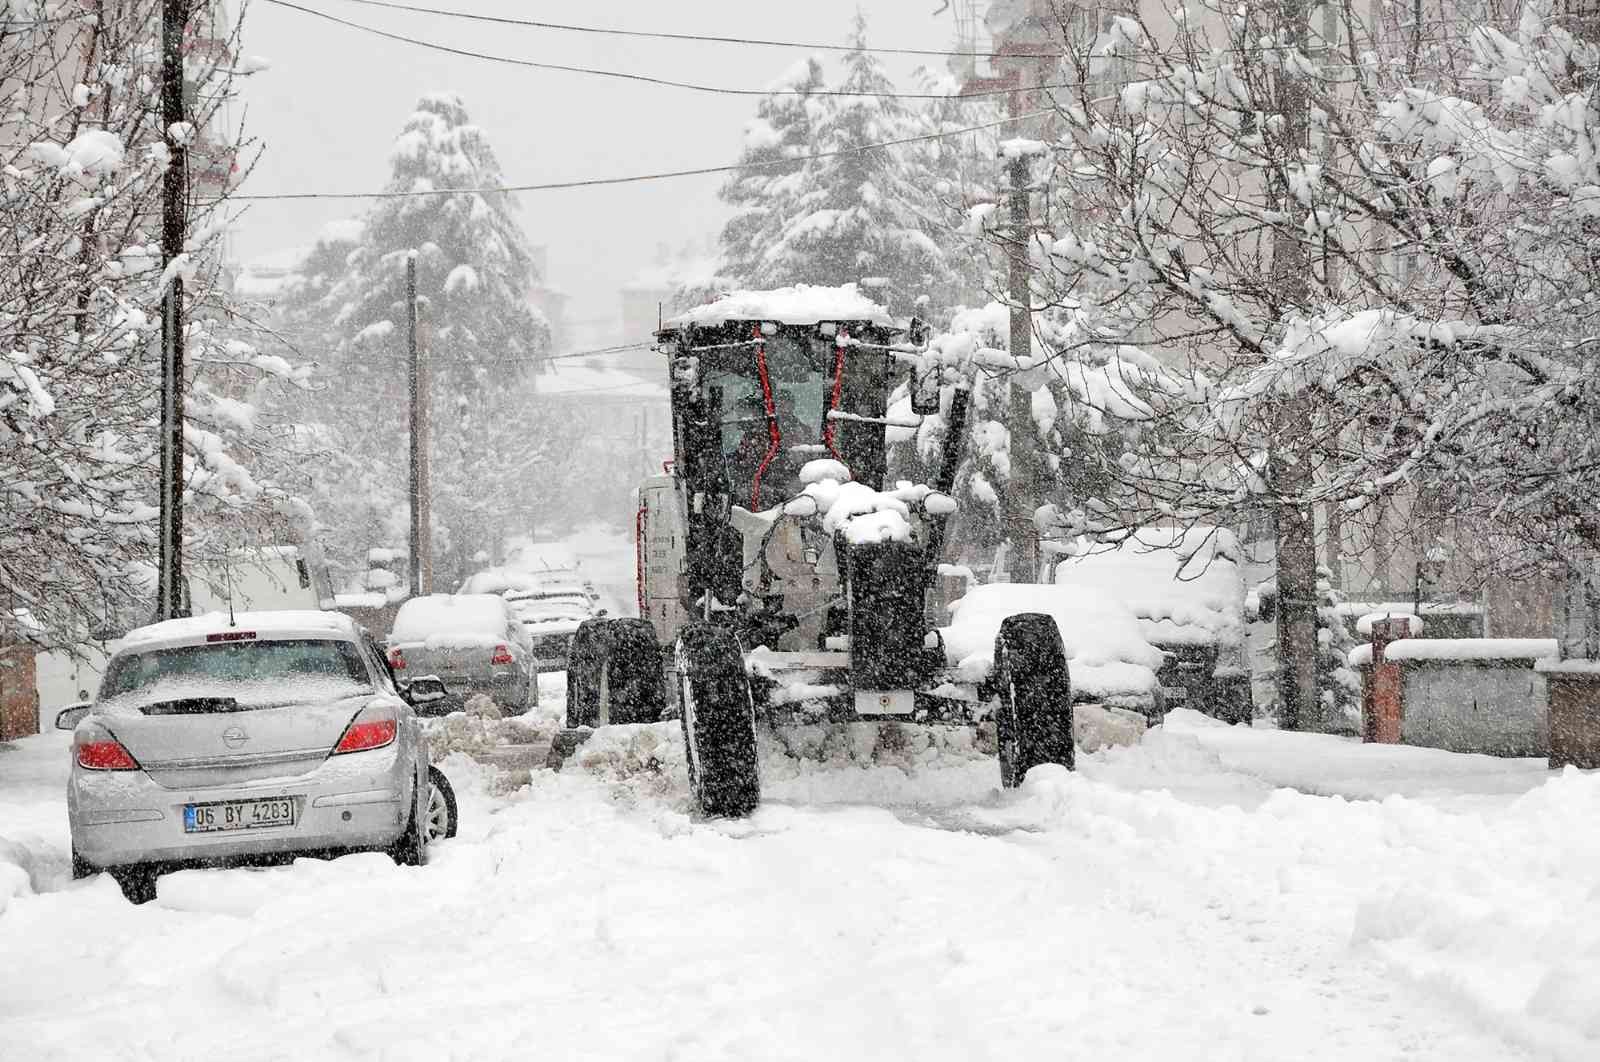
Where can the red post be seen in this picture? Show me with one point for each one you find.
(1383, 699)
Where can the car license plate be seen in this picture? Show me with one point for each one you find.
(238, 815)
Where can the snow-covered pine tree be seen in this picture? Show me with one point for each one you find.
(952, 175)
(852, 216)
(762, 192)
(483, 336)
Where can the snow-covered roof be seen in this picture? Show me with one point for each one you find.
(1183, 585)
(799, 305)
(1108, 656)
(287, 623)
(341, 230)
(265, 276)
(700, 271)
(366, 600)
(286, 260)
(450, 620)
(566, 380)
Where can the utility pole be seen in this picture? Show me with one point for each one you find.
(425, 422)
(414, 386)
(1289, 467)
(169, 577)
(1022, 491)
(1021, 531)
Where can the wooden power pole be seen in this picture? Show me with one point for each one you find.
(421, 552)
(169, 576)
(1023, 490)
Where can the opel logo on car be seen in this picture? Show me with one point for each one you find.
(234, 737)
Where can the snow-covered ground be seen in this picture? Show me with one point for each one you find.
(1167, 901)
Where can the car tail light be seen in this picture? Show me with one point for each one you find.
(502, 655)
(397, 659)
(102, 752)
(367, 732)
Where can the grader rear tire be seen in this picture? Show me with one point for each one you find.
(1033, 710)
(718, 717)
(614, 674)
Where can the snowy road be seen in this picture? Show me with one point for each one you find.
(862, 913)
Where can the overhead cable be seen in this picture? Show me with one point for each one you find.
(759, 42)
(597, 182)
(646, 79)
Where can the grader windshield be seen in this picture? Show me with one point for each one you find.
(772, 399)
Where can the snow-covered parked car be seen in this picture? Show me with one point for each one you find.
(1109, 659)
(473, 643)
(1185, 588)
(549, 622)
(510, 581)
(273, 735)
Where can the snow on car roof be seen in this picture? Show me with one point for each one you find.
(453, 619)
(1183, 584)
(1107, 654)
(565, 625)
(799, 305)
(285, 623)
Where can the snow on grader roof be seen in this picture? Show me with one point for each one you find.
(803, 304)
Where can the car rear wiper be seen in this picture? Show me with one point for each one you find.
(196, 706)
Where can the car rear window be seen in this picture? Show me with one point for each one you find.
(237, 662)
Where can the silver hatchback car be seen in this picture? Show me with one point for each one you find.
(275, 735)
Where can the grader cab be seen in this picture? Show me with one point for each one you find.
(774, 557)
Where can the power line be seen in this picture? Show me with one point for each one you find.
(596, 182)
(622, 348)
(623, 75)
(696, 37)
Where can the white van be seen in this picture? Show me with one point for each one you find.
(263, 578)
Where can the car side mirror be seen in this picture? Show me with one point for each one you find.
(424, 689)
(69, 717)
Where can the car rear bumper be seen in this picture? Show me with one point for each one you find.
(514, 692)
(124, 817)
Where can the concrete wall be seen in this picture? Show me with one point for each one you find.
(1495, 707)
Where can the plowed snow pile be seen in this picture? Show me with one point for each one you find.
(1171, 900)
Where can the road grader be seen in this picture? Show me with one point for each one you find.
(780, 576)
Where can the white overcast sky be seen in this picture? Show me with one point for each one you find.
(334, 99)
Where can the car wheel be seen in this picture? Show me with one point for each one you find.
(1033, 713)
(137, 882)
(82, 868)
(411, 850)
(441, 820)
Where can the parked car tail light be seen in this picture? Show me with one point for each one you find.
(368, 730)
(397, 659)
(502, 655)
(98, 750)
